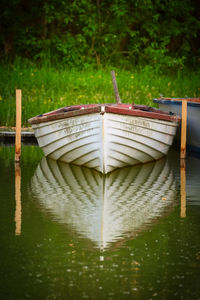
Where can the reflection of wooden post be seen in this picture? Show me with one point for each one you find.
(18, 125)
(183, 190)
(183, 129)
(18, 208)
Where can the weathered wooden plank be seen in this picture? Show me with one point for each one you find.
(18, 125)
(183, 129)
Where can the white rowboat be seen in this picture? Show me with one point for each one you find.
(105, 136)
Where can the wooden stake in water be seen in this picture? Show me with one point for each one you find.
(18, 125)
(117, 97)
(183, 129)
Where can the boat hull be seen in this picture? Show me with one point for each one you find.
(193, 120)
(105, 141)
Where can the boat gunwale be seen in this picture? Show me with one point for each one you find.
(122, 109)
(137, 112)
(190, 101)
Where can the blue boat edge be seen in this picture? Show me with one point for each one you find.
(173, 106)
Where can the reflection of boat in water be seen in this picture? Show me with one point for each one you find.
(105, 208)
(193, 180)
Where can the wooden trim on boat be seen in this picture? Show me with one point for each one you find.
(152, 114)
(62, 114)
(123, 109)
(195, 100)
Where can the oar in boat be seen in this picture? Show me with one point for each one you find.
(117, 97)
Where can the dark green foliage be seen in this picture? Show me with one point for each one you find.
(163, 33)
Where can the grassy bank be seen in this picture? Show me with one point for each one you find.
(47, 88)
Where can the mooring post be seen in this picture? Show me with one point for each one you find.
(18, 125)
(183, 129)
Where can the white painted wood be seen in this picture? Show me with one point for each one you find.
(105, 141)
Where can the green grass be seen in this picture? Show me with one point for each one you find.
(46, 88)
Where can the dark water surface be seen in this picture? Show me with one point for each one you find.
(70, 233)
